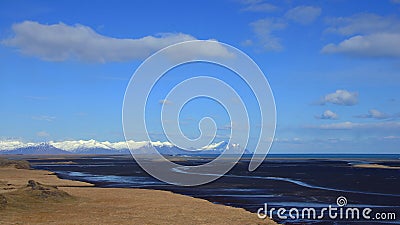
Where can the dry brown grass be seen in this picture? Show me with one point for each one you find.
(19, 164)
(89, 205)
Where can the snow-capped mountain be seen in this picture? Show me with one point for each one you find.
(39, 149)
(91, 147)
(106, 147)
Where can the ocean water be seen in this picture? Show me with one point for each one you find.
(282, 181)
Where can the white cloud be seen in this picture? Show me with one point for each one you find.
(376, 114)
(374, 45)
(367, 35)
(328, 115)
(338, 126)
(258, 6)
(352, 125)
(59, 42)
(264, 30)
(363, 23)
(42, 134)
(391, 137)
(44, 118)
(295, 140)
(303, 14)
(341, 97)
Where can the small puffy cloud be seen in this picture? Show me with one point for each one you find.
(340, 97)
(328, 115)
(164, 102)
(42, 134)
(264, 30)
(367, 35)
(303, 14)
(59, 42)
(44, 118)
(376, 114)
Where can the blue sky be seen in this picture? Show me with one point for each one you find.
(333, 67)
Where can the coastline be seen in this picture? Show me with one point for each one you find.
(93, 205)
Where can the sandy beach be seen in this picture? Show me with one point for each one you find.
(50, 200)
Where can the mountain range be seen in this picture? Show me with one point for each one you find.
(105, 147)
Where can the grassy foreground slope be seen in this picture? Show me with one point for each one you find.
(40, 197)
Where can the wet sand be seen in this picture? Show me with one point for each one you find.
(91, 205)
